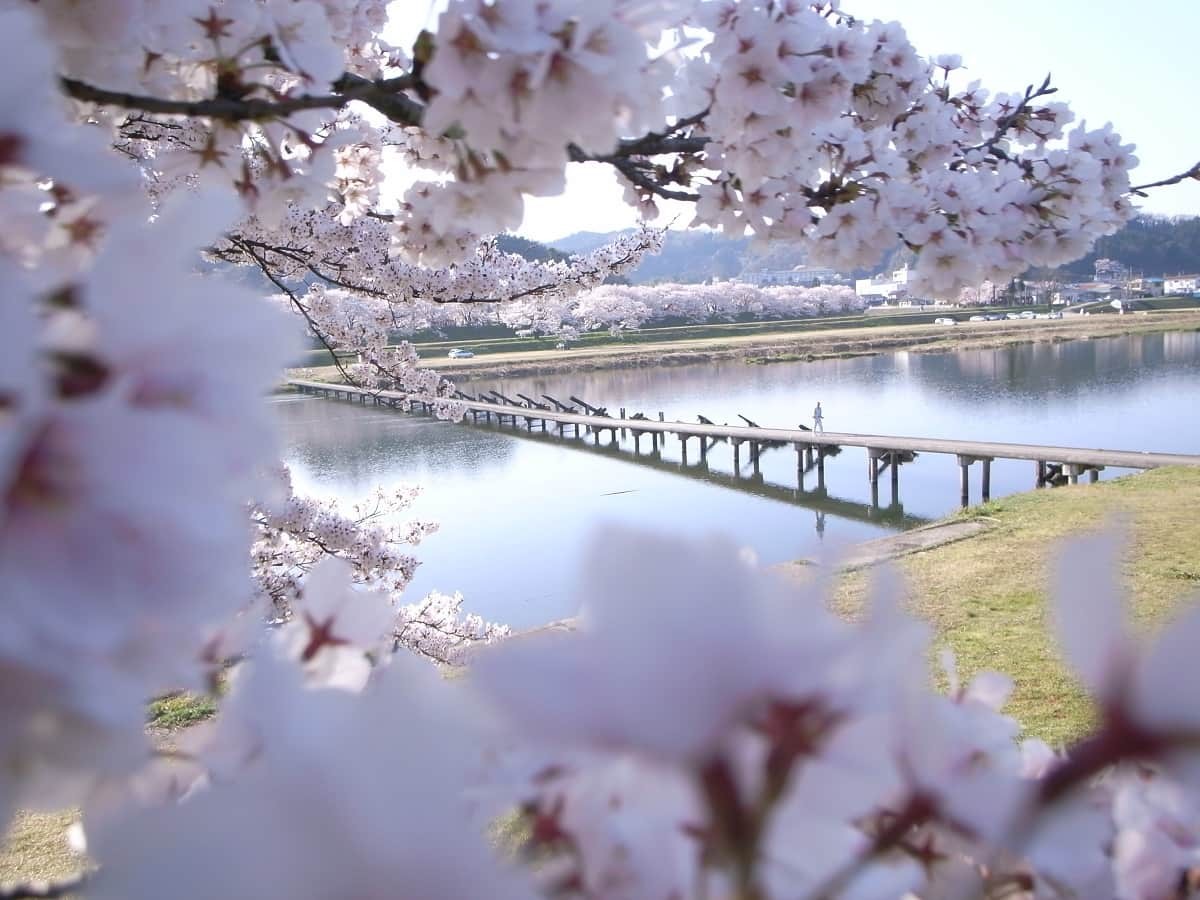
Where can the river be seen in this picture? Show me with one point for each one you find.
(515, 510)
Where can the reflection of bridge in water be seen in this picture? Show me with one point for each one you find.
(816, 498)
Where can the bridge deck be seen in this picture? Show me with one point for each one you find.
(1127, 459)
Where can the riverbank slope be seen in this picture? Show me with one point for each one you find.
(809, 344)
(986, 595)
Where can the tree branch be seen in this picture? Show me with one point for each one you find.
(386, 95)
(1191, 174)
(266, 270)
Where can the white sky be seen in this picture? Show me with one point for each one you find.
(1137, 66)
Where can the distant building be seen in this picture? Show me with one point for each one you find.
(1076, 293)
(1145, 287)
(893, 287)
(1111, 271)
(801, 275)
(1181, 284)
(1065, 294)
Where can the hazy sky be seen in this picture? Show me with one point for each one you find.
(1134, 64)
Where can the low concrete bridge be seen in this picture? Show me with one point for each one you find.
(817, 499)
(885, 453)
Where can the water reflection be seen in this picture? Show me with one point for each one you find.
(746, 476)
(515, 509)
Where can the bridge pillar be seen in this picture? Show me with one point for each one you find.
(1040, 479)
(737, 459)
(683, 439)
(1094, 474)
(1073, 471)
(754, 455)
(800, 466)
(820, 468)
(873, 456)
(964, 480)
(986, 480)
(895, 461)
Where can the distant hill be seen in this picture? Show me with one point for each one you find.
(689, 257)
(695, 256)
(586, 241)
(531, 250)
(1149, 245)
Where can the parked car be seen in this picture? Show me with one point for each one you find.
(995, 317)
(1028, 314)
(944, 320)
(1013, 316)
(458, 353)
(978, 319)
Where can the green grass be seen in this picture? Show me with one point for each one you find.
(180, 710)
(986, 596)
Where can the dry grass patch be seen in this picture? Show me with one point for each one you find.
(986, 596)
(35, 848)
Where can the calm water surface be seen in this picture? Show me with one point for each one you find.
(515, 509)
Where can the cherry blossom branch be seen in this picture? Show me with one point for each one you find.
(385, 95)
(1006, 123)
(265, 268)
(1191, 174)
(636, 172)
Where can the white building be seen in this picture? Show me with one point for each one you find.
(1181, 284)
(886, 287)
(801, 275)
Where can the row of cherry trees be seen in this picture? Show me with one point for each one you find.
(707, 732)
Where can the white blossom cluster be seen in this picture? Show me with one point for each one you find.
(617, 307)
(131, 434)
(707, 731)
(521, 82)
(237, 50)
(774, 751)
(356, 295)
(833, 132)
(295, 535)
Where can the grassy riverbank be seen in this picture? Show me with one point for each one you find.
(986, 596)
(813, 341)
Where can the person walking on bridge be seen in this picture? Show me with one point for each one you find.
(818, 418)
